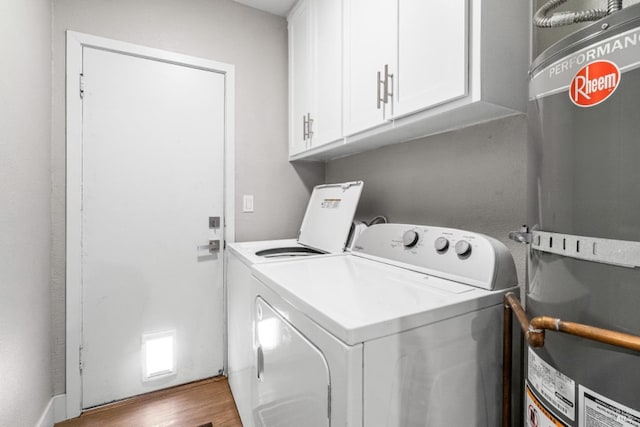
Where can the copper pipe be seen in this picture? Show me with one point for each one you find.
(534, 329)
(618, 339)
(534, 335)
(507, 332)
(534, 332)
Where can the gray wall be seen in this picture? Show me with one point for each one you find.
(256, 43)
(473, 178)
(25, 126)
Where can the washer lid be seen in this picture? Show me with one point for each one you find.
(329, 215)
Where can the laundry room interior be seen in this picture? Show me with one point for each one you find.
(329, 212)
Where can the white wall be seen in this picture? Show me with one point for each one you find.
(256, 43)
(472, 178)
(25, 127)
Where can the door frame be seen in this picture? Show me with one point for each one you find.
(75, 44)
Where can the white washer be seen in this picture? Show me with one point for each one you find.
(404, 331)
(324, 229)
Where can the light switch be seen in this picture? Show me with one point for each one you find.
(247, 203)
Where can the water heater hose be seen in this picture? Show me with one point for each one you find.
(540, 19)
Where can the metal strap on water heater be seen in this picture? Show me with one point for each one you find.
(622, 253)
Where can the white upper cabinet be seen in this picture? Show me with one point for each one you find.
(315, 74)
(370, 49)
(327, 125)
(432, 54)
(402, 56)
(411, 68)
(300, 76)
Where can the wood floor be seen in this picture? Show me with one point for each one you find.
(190, 405)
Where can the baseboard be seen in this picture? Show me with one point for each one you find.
(60, 407)
(55, 411)
(47, 417)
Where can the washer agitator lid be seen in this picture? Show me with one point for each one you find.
(329, 215)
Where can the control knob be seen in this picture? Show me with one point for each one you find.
(410, 238)
(463, 248)
(442, 244)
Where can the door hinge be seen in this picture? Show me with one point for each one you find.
(80, 361)
(81, 85)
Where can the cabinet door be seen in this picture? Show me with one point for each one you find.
(300, 74)
(327, 114)
(292, 376)
(432, 53)
(370, 43)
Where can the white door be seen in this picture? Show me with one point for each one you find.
(432, 53)
(152, 153)
(370, 44)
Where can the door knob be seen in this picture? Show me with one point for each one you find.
(212, 247)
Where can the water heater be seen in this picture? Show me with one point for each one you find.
(584, 218)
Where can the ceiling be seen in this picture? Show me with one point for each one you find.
(277, 7)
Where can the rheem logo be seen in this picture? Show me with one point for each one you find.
(594, 83)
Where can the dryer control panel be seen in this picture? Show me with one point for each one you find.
(466, 257)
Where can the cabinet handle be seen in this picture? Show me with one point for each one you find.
(378, 83)
(387, 77)
(387, 88)
(309, 126)
(304, 127)
(260, 362)
(390, 88)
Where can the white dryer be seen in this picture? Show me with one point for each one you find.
(404, 331)
(324, 229)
